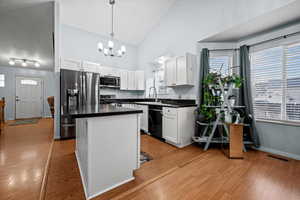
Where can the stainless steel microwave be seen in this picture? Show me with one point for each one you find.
(110, 82)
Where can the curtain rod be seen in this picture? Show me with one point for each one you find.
(276, 38)
(259, 43)
(236, 49)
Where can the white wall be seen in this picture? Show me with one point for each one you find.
(190, 21)
(82, 45)
(9, 91)
(277, 138)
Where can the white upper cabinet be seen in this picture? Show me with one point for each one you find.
(90, 67)
(109, 71)
(104, 71)
(139, 80)
(123, 80)
(131, 80)
(69, 64)
(179, 71)
(170, 72)
(115, 72)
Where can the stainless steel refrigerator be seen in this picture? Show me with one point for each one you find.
(76, 89)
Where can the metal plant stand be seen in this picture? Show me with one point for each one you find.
(212, 126)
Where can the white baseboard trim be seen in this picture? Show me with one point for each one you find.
(81, 176)
(281, 153)
(110, 188)
(102, 191)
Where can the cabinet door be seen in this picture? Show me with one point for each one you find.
(102, 71)
(170, 72)
(170, 128)
(123, 80)
(170, 124)
(90, 67)
(181, 71)
(144, 117)
(191, 65)
(69, 64)
(131, 80)
(109, 71)
(139, 80)
(115, 72)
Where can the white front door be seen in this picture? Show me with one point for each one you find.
(28, 97)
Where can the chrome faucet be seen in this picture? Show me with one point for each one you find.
(155, 93)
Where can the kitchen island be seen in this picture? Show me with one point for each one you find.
(107, 146)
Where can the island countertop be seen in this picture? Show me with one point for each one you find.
(101, 110)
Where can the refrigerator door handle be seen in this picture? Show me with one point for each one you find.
(83, 96)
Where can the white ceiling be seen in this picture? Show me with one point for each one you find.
(133, 18)
(27, 32)
(278, 17)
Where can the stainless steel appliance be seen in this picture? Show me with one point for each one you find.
(76, 89)
(110, 81)
(155, 121)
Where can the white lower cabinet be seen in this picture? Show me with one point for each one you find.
(178, 125)
(170, 132)
(144, 117)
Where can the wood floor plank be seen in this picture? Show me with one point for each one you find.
(184, 174)
(24, 151)
(262, 178)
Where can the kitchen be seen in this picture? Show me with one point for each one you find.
(168, 120)
(163, 99)
(165, 88)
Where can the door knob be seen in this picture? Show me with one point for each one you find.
(17, 98)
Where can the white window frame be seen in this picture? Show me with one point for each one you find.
(2, 80)
(230, 54)
(284, 45)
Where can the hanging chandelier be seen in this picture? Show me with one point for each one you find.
(109, 50)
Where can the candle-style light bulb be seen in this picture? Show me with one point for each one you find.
(123, 49)
(100, 46)
(110, 44)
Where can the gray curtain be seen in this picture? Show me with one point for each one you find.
(246, 93)
(204, 68)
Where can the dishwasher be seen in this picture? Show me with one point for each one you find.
(155, 121)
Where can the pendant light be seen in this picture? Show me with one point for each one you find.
(109, 50)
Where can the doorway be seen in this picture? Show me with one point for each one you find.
(29, 97)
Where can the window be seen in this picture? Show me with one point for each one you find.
(28, 82)
(221, 64)
(275, 76)
(2, 80)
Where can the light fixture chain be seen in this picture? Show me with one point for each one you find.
(112, 2)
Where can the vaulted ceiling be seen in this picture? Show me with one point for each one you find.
(133, 18)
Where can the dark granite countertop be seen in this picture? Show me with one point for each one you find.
(101, 110)
(175, 103)
(181, 105)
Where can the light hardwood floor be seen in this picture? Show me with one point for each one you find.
(23, 155)
(187, 173)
